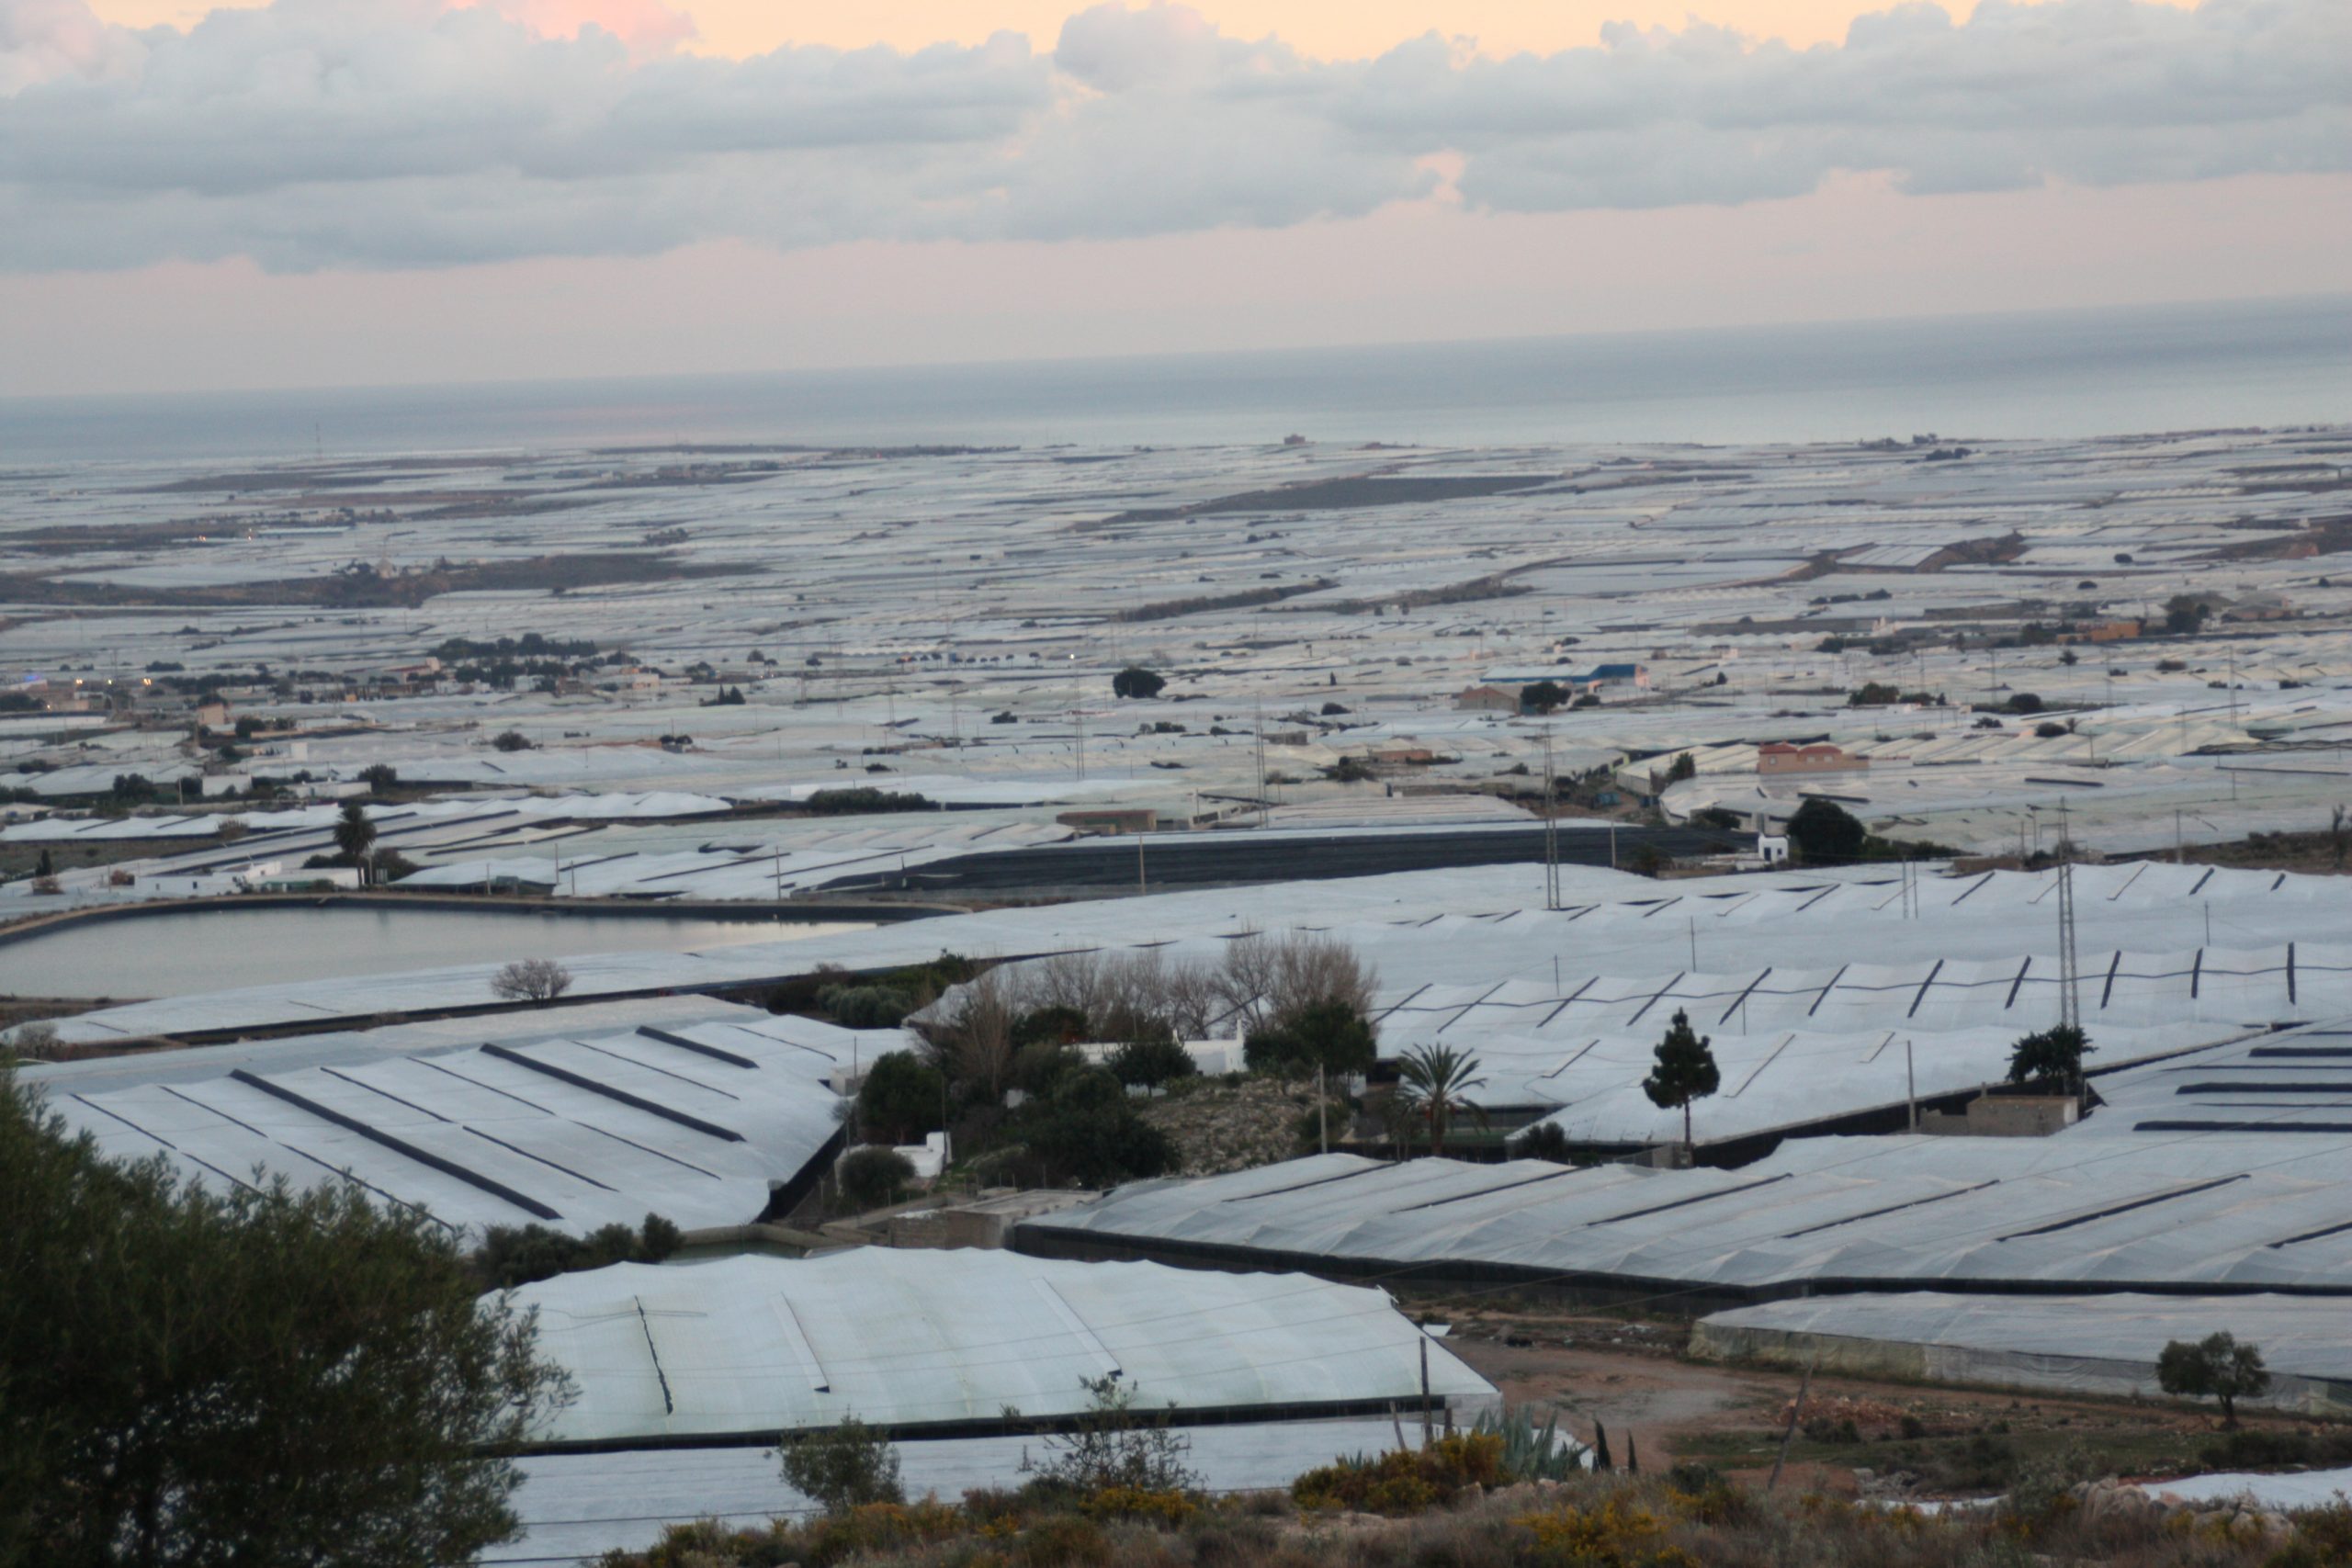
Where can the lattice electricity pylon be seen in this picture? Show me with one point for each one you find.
(2070, 1007)
(1551, 828)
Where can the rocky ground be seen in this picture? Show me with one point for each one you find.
(1219, 1127)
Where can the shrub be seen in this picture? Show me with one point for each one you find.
(866, 1007)
(1085, 1131)
(1149, 1063)
(1330, 1033)
(1825, 833)
(1113, 1446)
(1545, 1140)
(844, 1467)
(873, 1176)
(903, 1098)
(532, 979)
(1405, 1481)
(511, 1256)
(1137, 682)
(1616, 1532)
(512, 740)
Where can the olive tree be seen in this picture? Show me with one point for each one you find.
(243, 1374)
(2216, 1367)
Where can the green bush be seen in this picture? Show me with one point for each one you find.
(873, 1177)
(1149, 1063)
(844, 1466)
(865, 1006)
(1329, 1033)
(1085, 1130)
(511, 1256)
(902, 1099)
(1405, 1481)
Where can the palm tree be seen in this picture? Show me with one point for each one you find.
(355, 836)
(1437, 1082)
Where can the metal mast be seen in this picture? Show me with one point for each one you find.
(2070, 1010)
(1258, 730)
(1551, 826)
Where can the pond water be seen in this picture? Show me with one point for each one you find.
(185, 951)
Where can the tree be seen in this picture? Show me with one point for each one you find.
(842, 1466)
(512, 740)
(1085, 1130)
(1825, 833)
(2053, 1056)
(2216, 1367)
(1546, 1141)
(1152, 1063)
(1434, 1084)
(45, 866)
(200, 1376)
(1114, 1445)
(873, 1177)
(1684, 766)
(1544, 696)
(2337, 835)
(517, 1254)
(903, 1098)
(355, 835)
(1135, 681)
(379, 776)
(2024, 702)
(1685, 1071)
(2185, 614)
(1328, 1034)
(532, 979)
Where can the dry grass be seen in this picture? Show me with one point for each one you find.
(1611, 1521)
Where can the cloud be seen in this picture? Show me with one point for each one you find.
(372, 133)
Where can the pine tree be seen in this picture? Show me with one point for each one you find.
(1632, 1460)
(1685, 1071)
(1600, 1447)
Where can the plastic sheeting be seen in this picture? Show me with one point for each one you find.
(697, 1122)
(578, 1505)
(2235, 1212)
(752, 1346)
(2103, 1345)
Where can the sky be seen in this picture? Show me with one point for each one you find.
(345, 192)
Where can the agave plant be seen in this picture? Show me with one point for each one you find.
(1532, 1452)
(1437, 1080)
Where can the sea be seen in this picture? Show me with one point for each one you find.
(2068, 374)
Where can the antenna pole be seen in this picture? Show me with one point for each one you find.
(2070, 1011)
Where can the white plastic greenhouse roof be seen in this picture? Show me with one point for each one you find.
(2239, 1212)
(749, 1346)
(1472, 953)
(576, 1505)
(573, 1131)
(2104, 1344)
(1770, 1081)
(2295, 1080)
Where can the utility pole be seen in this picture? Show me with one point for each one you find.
(1551, 828)
(1078, 715)
(1142, 886)
(2070, 1011)
(1425, 1388)
(1322, 1112)
(1259, 730)
(1910, 1087)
